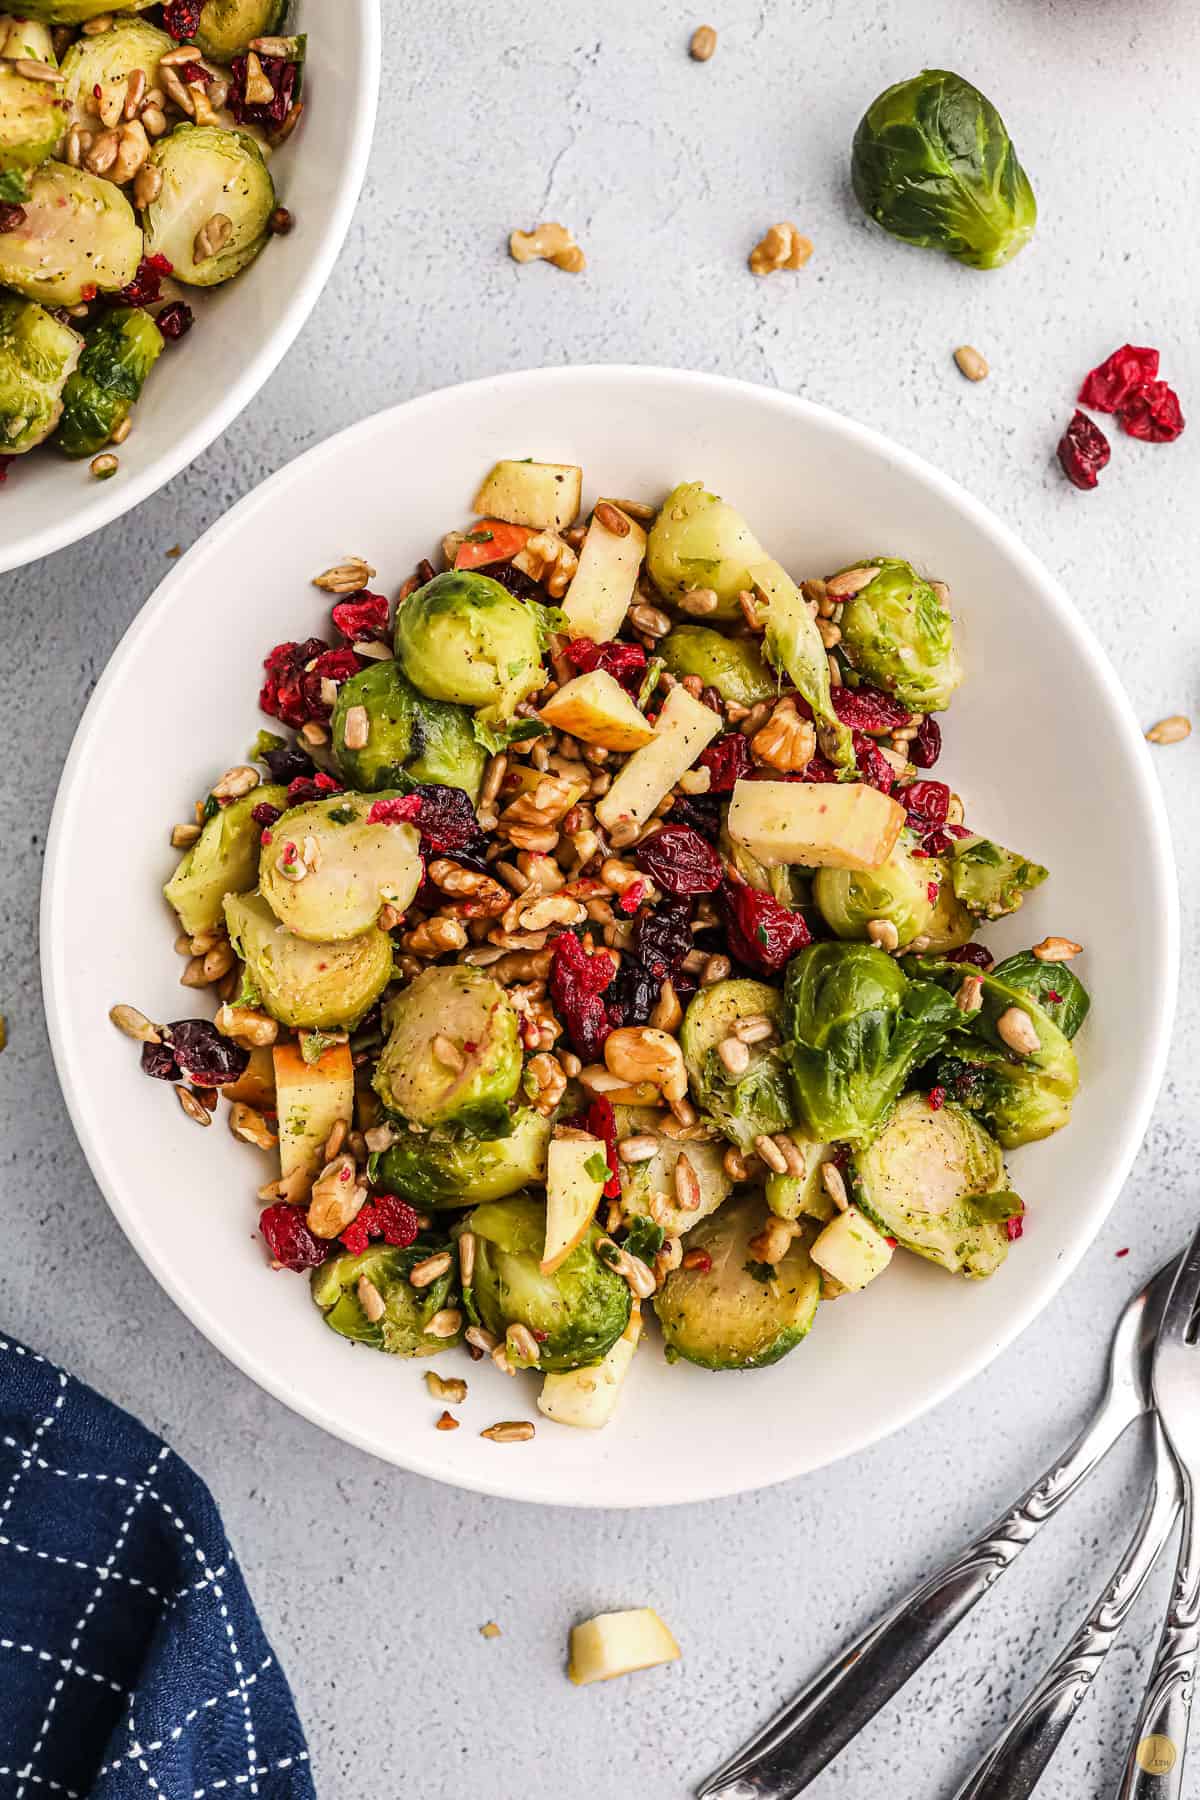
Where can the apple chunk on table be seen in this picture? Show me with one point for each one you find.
(820, 825)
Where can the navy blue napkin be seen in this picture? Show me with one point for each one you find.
(132, 1662)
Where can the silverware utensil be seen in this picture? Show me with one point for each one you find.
(1154, 1769)
(792, 1748)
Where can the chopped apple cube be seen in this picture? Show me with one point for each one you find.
(599, 596)
(822, 825)
(596, 709)
(311, 1098)
(619, 1643)
(576, 1171)
(587, 1398)
(851, 1250)
(685, 725)
(544, 496)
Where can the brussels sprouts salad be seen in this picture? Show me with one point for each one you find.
(598, 943)
(134, 146)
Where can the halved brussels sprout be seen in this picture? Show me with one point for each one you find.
(33, 114)
(949, 926)
(935, 1181)
(901, 891)
(641, 1182)
(96, 69)
(223, 860)
(78, 237)
(577, 1313)
(991, 881)
(327, 870)
(37, 354)
(119, 352)
(403, 1330)
(208, 173)
(791, 1196)
(320, 987)
(435, 1168)
(453, 1055)
(758, 1099)
(859, 1027)
(738, 1314)
(733, 666)
(699, 541)
(464, 638)
(934, 165)
(408, 734)
(898, 633)
(75, 12)
(1055, 986)
(227, 26)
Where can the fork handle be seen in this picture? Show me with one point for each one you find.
(1154, 1770)
(792, 1748)
(1014, 1765)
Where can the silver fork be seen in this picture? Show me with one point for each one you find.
(1154, 1769)
(792, 1748)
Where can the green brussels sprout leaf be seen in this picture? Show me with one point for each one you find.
(408, 1312)
(989, 880)
(37, 355)
(118, 354)
(759, 1099)
(410, 738)
(794, 645)
(1056, 988)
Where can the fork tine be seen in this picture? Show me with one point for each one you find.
(1184, 1296)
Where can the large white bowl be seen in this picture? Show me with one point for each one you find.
(1041, 741)
(243, 328)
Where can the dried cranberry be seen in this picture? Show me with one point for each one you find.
(204, 1055)
(357, 1236)
(978, 955)
(1153, 413)
(819, 768)
(762, 933)
(631, 897)
(193, 74)
(158, 1060)
(287, 763)
(12, 216)
(265, 814)
(577, 981)
(443, 815)
(699, 1261)
(143, 289)
(282, 694)
(363, 616)
(312, 787)
(927, 802)
(926, 747)
(600, 1120)
(1015, 1228)
(937, 843)
(631, 998)
(702, 812)
(867, 709)
(398, 1221)
(679, 861)
(175, 320)
(402, 810)
(289, 1239)
(663, 937)
(270, 114)
(937, 1099)
(626, 663)
(1106, 388)
(1083, 451)
(873, 766)
(181, 18)
(513, 580)
(331, 665)
(727, 760)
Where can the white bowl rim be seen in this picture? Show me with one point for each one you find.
(110, 502)
(1146, 1079)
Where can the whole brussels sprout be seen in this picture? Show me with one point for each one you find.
(78, 235)
(37, 354)
(577, 1313)
(223, 860)
(464, 638)
(699, 541)
(935, 1182)
(731, 665)
(991, 881)
(437, 1168)
(758, 1100)
(1055, 986)
(408, 1312)
(453, 1055)
(319, 987)
(407, 735)
(33, 114)
(119, 352)
(644, 1183)
(900, 891)
(327, 869)
(858, 1026)
(933, 164)
(97, 67)
(208, 173)
(898, 633)
(738, 1313)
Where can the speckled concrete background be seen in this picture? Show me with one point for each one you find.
(372, 1583)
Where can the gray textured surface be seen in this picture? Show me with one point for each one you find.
(373, 1584)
